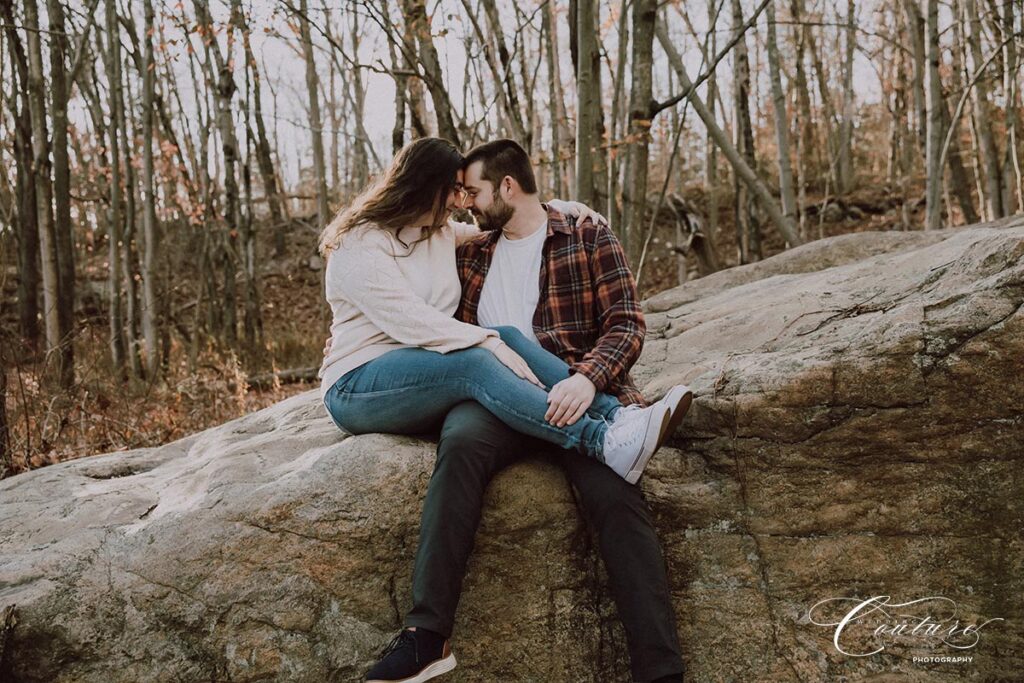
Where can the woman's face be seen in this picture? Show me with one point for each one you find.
(455, 199)
(457, 196)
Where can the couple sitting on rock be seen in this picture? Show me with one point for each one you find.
(511, 337)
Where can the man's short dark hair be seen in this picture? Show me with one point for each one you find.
(504, 158)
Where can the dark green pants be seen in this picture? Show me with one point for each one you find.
(473, 447)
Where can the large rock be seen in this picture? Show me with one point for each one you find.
(857, 432)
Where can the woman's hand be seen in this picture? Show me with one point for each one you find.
(578, 210)
(514, 362)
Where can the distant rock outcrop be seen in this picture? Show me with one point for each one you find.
(858, 431)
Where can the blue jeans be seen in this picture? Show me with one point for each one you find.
(409, 391)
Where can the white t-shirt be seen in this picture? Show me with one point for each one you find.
(512, 286)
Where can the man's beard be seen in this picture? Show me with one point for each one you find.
(496, 216)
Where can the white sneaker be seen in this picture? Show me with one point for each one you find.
(678, 399)
(633, 437)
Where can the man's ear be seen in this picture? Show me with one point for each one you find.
(509, 183)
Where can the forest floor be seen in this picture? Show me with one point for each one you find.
(103, 414)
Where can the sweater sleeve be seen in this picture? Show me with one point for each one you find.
(364, 272)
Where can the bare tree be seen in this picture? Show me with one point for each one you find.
(1013, 176)
(316, 127)
(844, 175)
(149, 228)
(744, 171)
(41, 171)
(116, 315)
(264, 160)
(805, 147)
(748, 229)
(27, 231)
(989, 152)
(418, 24)
(586, 112)
(781, 121)
(634, 195)
(935, 105)
(618, 122)
(63, 241)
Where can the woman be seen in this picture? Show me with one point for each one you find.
(398, 360)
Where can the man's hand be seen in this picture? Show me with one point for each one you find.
(569, 399)
(327, 347)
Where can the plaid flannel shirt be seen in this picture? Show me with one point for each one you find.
(588, 314)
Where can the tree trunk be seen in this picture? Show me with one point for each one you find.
(781, 121)
(828, 118)
(634, 195)
(263, 158)
(421, 124)
(711, 150)
(224, 88)
(505, 76)
(747, 226)
(935, 105)
(418, 24)
(845, 166)
(1013, 187)
(360, 170)
(401, 80)
(565, 134)
(130, 238)
(27, 229)
(114, 236)
(41, 175)
(804, 122)
(915, 27)
(312, 89)
(63, 236)
(551, 59)
(958, 174)
(615, 166)
(989, 152)
(149, 229)
(586, 89)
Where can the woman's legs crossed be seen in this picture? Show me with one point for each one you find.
(404, 389)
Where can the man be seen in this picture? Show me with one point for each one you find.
(568, 288)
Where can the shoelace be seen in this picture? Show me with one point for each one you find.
(404, 637)
(624, 434)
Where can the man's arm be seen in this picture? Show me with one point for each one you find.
(620, 320)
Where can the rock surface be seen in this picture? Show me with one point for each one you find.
(858, 431)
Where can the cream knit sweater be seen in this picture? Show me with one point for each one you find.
(384, 296)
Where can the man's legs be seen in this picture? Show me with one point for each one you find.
(632, 556)
(474, 446)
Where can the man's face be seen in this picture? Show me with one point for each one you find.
(484, 200)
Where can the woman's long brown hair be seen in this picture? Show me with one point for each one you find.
(418, 181)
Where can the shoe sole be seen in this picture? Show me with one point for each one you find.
(432, 670)
(657, 427)
(679, 402)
